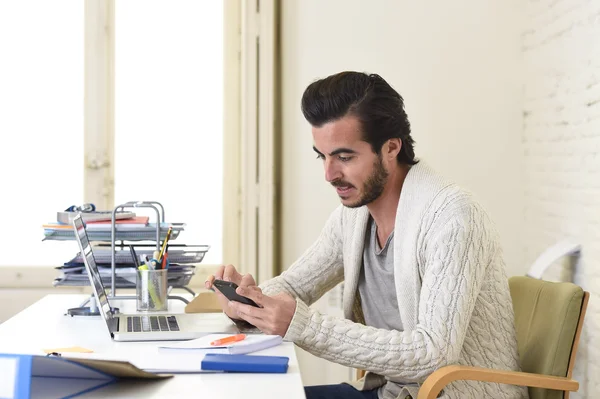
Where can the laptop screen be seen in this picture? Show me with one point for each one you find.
(92, 268)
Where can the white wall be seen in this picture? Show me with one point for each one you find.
(458, 67)
(562, 151)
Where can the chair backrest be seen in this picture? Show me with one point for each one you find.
(548, 320)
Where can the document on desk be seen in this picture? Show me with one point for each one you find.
(251, 343)
(151, 361)
(171, 364)
(215, 363)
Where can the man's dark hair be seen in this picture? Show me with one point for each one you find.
(378, 107)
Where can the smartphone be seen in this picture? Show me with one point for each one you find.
(227, 288)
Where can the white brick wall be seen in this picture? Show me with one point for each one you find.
(561, 140)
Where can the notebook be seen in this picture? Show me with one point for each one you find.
(245, 363)
(251, 343)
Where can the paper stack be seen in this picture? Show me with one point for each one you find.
(252, 343)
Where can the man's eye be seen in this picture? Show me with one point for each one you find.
(320, 156)
(344, 159)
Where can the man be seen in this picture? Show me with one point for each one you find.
(424, 280)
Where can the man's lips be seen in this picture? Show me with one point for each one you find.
(341, 189)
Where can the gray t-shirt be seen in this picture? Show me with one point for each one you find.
(378, 292)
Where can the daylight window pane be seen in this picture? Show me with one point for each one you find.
(168, 113)
(41, 127)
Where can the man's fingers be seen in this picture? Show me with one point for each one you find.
(258, 317)
(229, 274)
(255, 293)
(223, 301)
(224, 272)
(219, 272)
(255, 321)
(209, 281)
(246, 311)
(247, 280)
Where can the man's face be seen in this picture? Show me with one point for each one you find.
(351, 166)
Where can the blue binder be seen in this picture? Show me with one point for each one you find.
(31, 376)
(245, 363)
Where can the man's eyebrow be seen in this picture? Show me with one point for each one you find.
(342, 151)
(336, 151)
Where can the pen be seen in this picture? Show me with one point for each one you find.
(164, 246)
(228, 340)
(134, 256)
(165, 263)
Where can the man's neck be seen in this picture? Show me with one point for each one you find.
(383, 209)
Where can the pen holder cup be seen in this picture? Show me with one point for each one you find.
(151, 290)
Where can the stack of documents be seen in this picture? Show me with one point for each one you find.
(102, 232)
(125, 277)
(102, 254)
(67, 217)
(133, 222)
(135, 237)
(181, 268)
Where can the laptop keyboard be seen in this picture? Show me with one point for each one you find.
(151, 323)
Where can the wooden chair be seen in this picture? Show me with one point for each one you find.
(548, 318)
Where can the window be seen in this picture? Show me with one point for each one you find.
(168, 117)
(41, 128)
(169, 113)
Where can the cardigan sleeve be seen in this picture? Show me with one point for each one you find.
(455, 258)
(318, 270)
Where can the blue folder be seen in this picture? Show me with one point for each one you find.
(34, 376)
(245, 363)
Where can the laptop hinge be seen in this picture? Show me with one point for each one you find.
(114, 328)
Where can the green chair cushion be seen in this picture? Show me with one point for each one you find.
(546, 317)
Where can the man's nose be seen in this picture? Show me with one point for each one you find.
(332, 173)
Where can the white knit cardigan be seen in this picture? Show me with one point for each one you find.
(451, 287)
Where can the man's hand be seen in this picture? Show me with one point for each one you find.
(274, 315)
(228, 273)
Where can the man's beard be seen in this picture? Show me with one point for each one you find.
(373, 187)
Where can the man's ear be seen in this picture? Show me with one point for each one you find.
(391, 148)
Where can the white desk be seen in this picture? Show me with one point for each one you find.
(44, 325)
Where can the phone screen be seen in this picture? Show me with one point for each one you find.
(228, 288)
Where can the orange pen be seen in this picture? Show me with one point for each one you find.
(228, 340)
